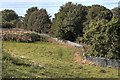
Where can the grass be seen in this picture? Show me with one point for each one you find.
(47, 60)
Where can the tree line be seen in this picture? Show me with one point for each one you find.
(94, 25)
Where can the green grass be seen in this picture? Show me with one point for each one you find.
(46, 60)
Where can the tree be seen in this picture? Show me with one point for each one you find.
(9, 18)
(104, 37)
(27, 15)
(99, 12)
(39, 21)
(95, 14)
(116, 12)
(9, 15)
(7, 25)
(68, 22)
(19, 24)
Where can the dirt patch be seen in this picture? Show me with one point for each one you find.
(78, 56)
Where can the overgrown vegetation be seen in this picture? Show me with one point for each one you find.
(21, 35)
(27, 15)
(47, 60)
(94, 25)
(37, 20)
(104, 38)
(68, 22)
(9, 18)
(26, 37)
(7, 25)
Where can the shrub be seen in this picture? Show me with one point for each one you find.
(26, 37)
(80, 40)
(44, 39)
(7, 25)
(32, 37)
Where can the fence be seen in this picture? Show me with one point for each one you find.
(103, 62)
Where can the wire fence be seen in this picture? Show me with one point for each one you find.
(103, 62)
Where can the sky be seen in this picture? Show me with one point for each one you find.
(20, 6)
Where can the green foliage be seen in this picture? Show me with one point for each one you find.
(39, 21)
(68, 21)
(36, 20)
(100, 20)
(27, 15)
(98, 12)
(9, 18)
(116, 12)
(8, 15)
(44, 39)
(104, 38)
(19, 24)
(72, 18)
(80, 40)
(7, 25)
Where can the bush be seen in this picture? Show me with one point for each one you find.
(26, 37)
(80, 40)
(104, 38)
(44, 38)
(32, 37)
(7, 25)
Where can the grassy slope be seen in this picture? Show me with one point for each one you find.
(47, 60)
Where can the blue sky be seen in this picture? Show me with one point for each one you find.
(20, 6)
